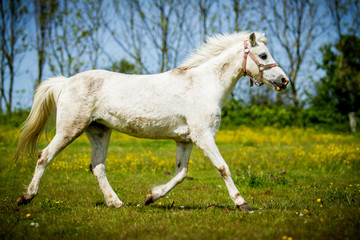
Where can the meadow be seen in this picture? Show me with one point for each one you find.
(301, 184)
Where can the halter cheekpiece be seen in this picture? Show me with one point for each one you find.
(262, 67)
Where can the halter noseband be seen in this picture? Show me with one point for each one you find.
(261, 66)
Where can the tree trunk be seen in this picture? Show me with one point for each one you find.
(2, 81)
(352, 121)
(10, 92)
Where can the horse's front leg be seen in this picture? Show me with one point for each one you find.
(206, 143)
(99, 137)
(183, 151)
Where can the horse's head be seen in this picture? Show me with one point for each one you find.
(262, 66)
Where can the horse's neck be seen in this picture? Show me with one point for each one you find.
(223, 72)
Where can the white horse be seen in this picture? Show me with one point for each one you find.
(183, 104)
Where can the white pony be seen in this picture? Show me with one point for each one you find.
(183, 104)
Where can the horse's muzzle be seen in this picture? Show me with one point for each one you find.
(281, 83)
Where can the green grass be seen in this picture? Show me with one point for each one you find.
(302, 184)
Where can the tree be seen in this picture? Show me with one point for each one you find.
(126, 32)
(240, 15)
(44, 12)
(204, 7)
(92, 19)
(165, 28)
(295, 25)
(70, 37)
(150, 29)
(157, 24)
(13, 16)
(339, 90)
(345, 15)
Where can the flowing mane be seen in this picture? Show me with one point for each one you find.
(215, 45)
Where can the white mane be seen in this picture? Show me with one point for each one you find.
(215, 45)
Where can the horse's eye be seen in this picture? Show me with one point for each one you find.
(263, 56)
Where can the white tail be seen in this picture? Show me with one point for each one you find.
(44, 101)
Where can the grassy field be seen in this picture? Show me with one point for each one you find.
(302, 184)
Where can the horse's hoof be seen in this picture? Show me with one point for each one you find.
(149, 199)
(23, 200)
(117, 205)
(244, 207)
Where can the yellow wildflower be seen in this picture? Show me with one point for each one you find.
(28, 215)
(318, 200)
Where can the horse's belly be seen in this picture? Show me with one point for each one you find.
(154, 128)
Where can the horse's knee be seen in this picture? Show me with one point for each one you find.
(181, 175)
(224, 171)
(98, 171)
(42, 158)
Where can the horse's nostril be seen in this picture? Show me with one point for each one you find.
(284, 80)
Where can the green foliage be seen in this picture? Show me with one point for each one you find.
(339, 91)
(123, 67)
(15, 118)
(326, 118)
(237, 114)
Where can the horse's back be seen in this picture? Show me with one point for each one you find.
(149, 106)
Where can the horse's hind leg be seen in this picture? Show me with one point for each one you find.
(183, 151)
(99, 137)
(69, 125)
(57, 144)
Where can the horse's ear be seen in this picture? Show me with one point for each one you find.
(252, 39)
